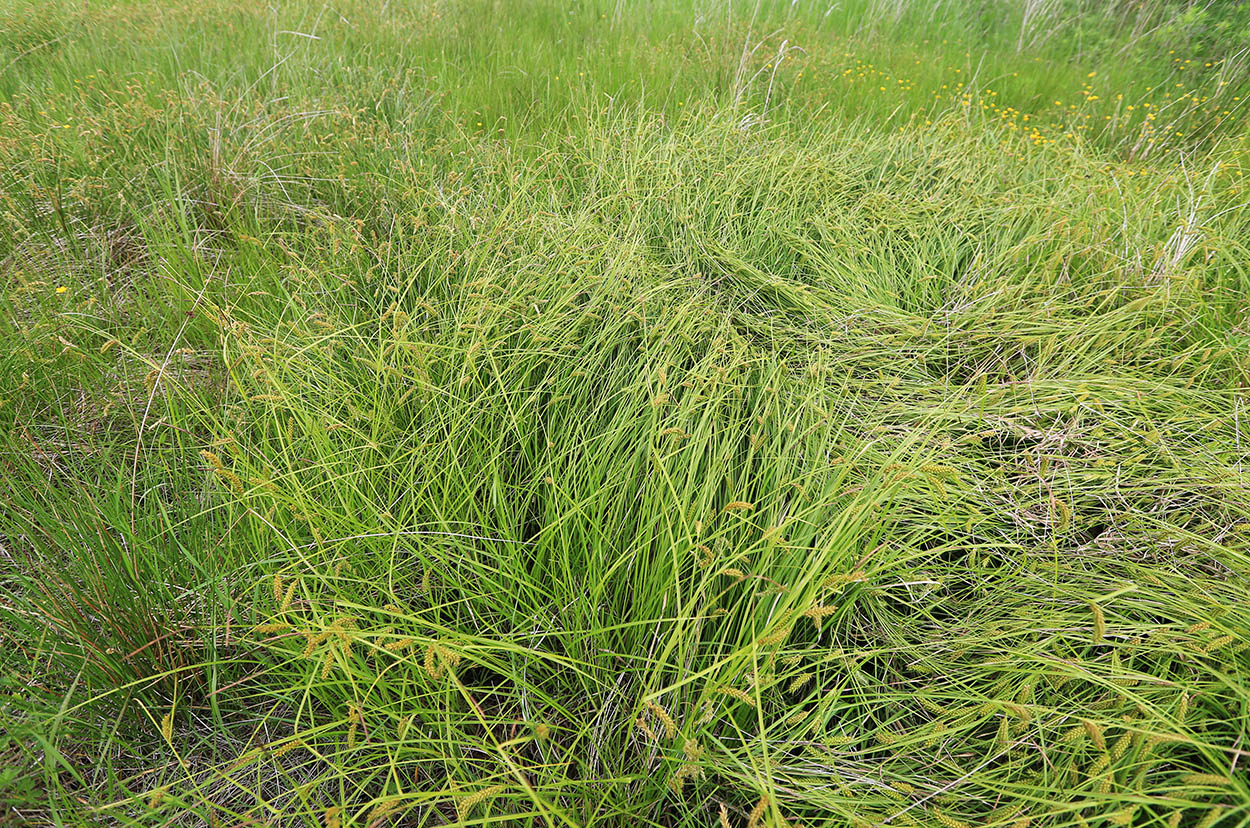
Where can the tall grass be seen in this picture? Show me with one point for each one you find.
(597, 415)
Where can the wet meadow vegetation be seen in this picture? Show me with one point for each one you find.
(588, 413)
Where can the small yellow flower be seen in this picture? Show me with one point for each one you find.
(62, 289)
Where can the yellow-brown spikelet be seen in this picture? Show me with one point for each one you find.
(740, 695)
(472, 800)
(799, 683)
(1197, 628)
(1100, 764)
(1072, 735)
(432, 668)
(1095, 733)
(836, 581)
(104, 349)
(641, 724)
(286, 747)
(1100, 622)
(167, 727)
(692, 749)
(946, 819)
(670, 726)
(1175, 819)
(724, 816)
(1022, 822)
(1216, 643)
(1120, 745)
(287, 597)
(819, 614)
(797, 717)
(739, 506)
(779, 634)
(1123, 816)
(753, 818)
(1212, 817)
(277, 588)
(157, 796)
(734, 573)
(400, 645)
(931, 705)
(1182, 709)
(212, 459)
(1003, 737)
(277, 626)
(1019, 711)
(315, 641)
(1213, 779)
(331, 817)
(327, 663)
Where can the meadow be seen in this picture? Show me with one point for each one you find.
(589, 414)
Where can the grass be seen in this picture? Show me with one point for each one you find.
(600, 414)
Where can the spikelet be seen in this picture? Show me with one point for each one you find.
(157, 797)
(277, 588)
(1175, 819)
(692, 749)
(1019, 711)
(286, 747)
(1095, 733)
(739, 506)
(1197, 628)
(1123, 816)
(327, 663)
(641, 724)
(331, 817)
(432, 669)
(818, 614)
(275, 627)
(678, 779)
(740, 695)
(797, 717)
(670, 726)
(1216, 643)
(1003, 738)
(1072, 735)
(799, 683)
(1120, 746)
(947, 820)
(1100, 622)
(724, 816)
(777, 636)
(287, 596)
(1212, 779)
(753, 818)
(1182, 709)
(734, 573)
(104, 349)
(1022, 822)
(315, 641)
(467, 804)
(836, 581)
(167, 727)
(400, 645)
(1212, 817)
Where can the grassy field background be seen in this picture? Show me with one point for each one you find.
(592, 413)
